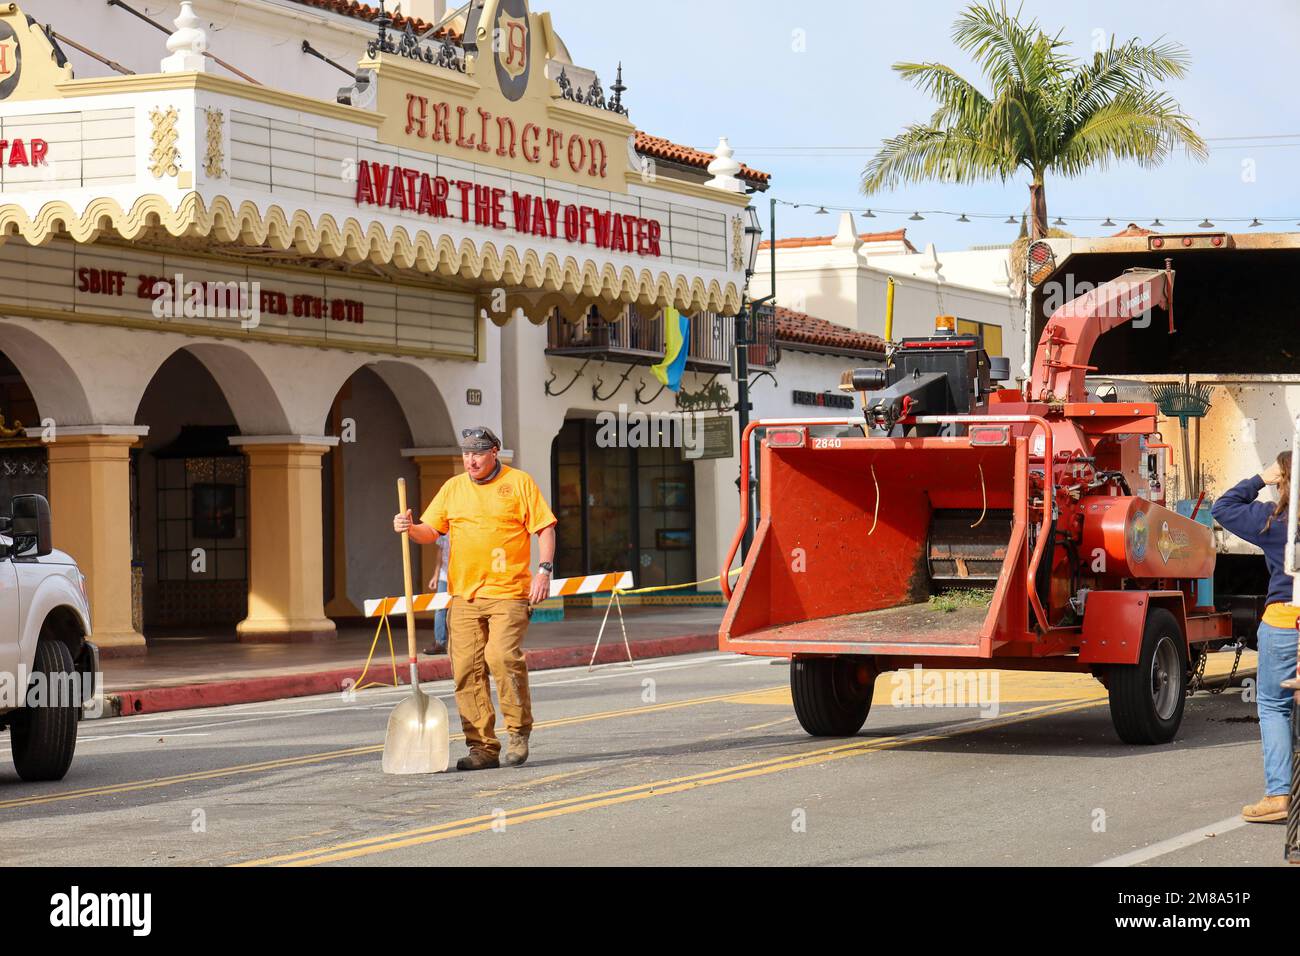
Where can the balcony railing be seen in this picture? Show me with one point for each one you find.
(638, 336)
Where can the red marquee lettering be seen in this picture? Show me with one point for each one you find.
(425, 206)
(502, 123)
(417, 111)
(408, 189)
(597, 146)
(441, 122)
(515, 37)
(554, 140)
(364, 193)
(461, 141)
(483, 117)
(539, 218)
(523, 212)
(441, 189)
(498, 209)
(581, 161)
(534, 153)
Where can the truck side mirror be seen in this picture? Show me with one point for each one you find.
(31, 519)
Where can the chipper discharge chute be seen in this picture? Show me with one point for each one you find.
(969, 526)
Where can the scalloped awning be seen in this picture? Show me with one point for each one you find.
(487, 262)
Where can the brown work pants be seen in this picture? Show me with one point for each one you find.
(487, 635)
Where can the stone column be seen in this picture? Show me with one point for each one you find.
(286, 589)
(90, 503)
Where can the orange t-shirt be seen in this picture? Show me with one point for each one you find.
(490, 527)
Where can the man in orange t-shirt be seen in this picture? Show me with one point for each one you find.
(491, 512)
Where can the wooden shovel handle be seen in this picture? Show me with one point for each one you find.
(406, 572)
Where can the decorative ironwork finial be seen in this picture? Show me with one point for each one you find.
(616, 104)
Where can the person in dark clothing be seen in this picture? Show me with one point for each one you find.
(1264, 525)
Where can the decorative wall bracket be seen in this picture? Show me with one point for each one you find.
(641, 388)
(595, 389)
(554, 375)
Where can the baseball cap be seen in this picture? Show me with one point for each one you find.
(478, 438)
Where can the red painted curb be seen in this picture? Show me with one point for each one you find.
(253, 689)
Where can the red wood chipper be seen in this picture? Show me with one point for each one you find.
(1044, 506)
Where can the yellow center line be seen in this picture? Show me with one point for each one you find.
(770, 723)
(199, 776)
(444, 831)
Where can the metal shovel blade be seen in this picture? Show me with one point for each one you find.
(417, 739)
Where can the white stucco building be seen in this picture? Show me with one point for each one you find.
(843, 278)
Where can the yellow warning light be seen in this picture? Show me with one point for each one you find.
(945, 323)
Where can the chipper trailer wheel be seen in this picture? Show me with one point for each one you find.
(1147, 698)
(832, 695)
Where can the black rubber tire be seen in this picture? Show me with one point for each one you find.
(45, 738)
(832, 695)
(1147, 698)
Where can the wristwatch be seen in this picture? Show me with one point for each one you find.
(546, 566)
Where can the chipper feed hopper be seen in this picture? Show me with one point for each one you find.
(972, 526)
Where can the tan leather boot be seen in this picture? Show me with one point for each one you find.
(517, 752)
(1268, 810)
(478, 759)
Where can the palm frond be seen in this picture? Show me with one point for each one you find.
(1144, 126)
(1007, 50)
(960, 101)
(922, 153)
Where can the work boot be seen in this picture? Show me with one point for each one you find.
(1268, 810)
(517, 752)
(478, 759)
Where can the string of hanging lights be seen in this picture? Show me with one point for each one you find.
(919, 215)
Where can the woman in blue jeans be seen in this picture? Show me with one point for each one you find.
(1264, 525)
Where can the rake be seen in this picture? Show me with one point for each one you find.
(1183, 402)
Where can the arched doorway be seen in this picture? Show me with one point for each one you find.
(190, 547)
(390, 420)
(24, 467)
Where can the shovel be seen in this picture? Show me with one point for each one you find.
(417, 739)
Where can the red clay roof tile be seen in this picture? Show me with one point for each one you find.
(803, 242)
(363, 11)
(798, 328)
(661, 148)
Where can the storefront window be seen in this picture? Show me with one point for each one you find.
(622, 509)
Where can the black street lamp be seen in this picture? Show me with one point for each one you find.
(746, 323)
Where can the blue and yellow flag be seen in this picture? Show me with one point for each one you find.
(677, 335)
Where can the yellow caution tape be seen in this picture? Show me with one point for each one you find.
(674, 587)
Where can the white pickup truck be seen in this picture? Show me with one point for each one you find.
(48, 668)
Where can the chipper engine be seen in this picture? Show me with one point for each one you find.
(1041, 510)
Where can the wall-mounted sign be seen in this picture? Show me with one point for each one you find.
(822, 399)
(715, 438)
(474, 396)
(110, 284)
(504, 110)
(478, 131)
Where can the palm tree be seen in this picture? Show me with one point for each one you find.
(1045, 111)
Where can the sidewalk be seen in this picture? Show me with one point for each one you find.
(182, 672)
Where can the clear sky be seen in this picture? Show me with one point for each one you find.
(772, 76)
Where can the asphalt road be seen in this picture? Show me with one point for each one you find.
(692, 760)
